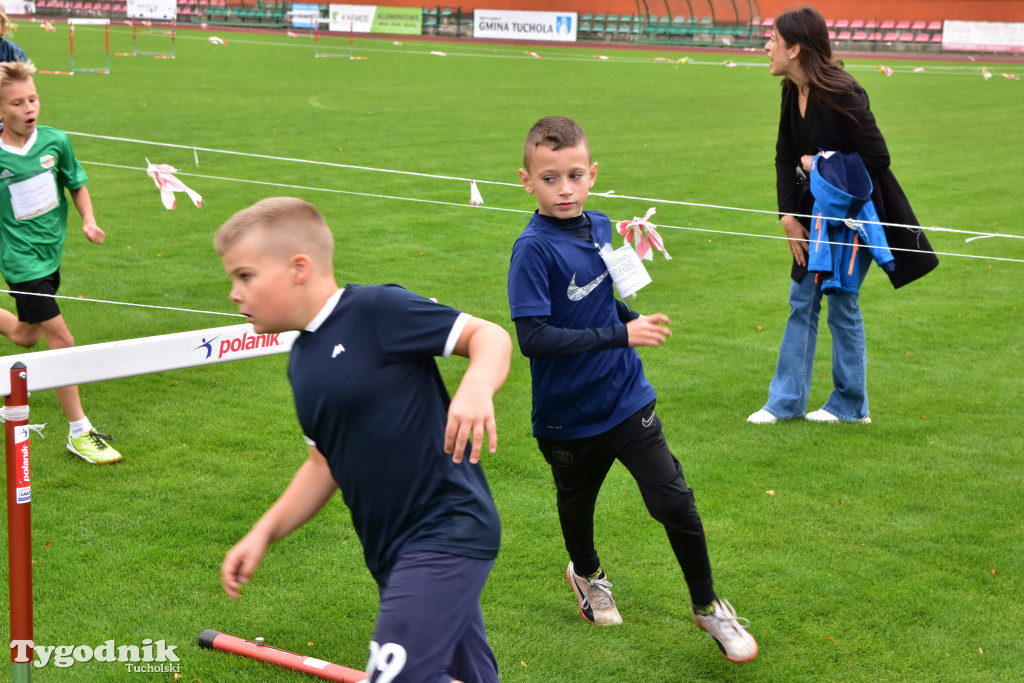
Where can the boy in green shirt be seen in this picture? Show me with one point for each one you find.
(36, 165)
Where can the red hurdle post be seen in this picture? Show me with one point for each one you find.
(19, 524)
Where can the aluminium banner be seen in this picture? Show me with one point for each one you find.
(375, 19)
(513, 25)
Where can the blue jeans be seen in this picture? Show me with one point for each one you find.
(791, 386)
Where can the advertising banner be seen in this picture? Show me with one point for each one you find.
(513, 25)
(303, 14)
(983, 36)
(152, 9)
(374, 19)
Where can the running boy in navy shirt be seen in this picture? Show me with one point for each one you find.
(592, 404)
(382, 429)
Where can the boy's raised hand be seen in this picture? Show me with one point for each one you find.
(648, 330)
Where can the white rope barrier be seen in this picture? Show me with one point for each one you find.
(609, 194)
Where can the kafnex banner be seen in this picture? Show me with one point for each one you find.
(512, 25)
(374, 19)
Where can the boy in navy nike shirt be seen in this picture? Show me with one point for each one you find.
(592, 404)
(382, 429)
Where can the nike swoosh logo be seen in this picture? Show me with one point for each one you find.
(576, 293)
(647, 421)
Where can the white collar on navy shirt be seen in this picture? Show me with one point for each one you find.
(316, 322)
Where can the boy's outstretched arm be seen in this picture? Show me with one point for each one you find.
(83, 202)
(489, 349)
(310, 489)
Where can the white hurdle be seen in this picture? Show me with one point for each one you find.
(72, 23)
(143, 356)
(309, 19)
(35, 371)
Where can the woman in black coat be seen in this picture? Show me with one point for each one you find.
(824, 108)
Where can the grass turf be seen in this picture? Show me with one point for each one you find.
(886, 551)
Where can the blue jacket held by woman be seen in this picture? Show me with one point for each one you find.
(844, 221)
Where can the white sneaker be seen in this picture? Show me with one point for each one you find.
(825, 416)
(595, 598)
(762, 417)
(724, 627)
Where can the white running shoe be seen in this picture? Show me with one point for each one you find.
(724, 627)
(595, 598)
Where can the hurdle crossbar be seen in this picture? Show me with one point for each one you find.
(72, 22)
(222, 642)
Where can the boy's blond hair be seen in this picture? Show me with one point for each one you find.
(285, 226)
(556, 132)
(15, 72)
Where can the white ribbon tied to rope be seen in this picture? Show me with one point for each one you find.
(168, 183)
(644, 234)
(475, 198)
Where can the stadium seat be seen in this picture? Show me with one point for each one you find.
(829, 23)
(842, 23)
(922, 37)
(891, 37)
(887, 25)
(585, 27)
(844, 35)
(903, 25)
(856, 24)
(937, 38)
(587, 17)
(918, 25)
(831, 35)
(768, 21)
(874, 37)
(906, 37)
(870, 24)
(859, 37)
(934, 26)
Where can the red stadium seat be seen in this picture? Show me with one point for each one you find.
(937, 38)
(903, 25)
(935, 26)
(891, 36)
(906, 37)
(857, 23)
(842, 23)
(860, 36)
(922, 38)
(843, 35)
(888, 25)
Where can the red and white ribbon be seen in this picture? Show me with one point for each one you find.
(884, 69)
(163, 176)
(644, 235)
(475, 198)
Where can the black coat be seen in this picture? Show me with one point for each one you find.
(831, 130)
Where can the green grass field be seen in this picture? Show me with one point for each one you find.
(887, 552)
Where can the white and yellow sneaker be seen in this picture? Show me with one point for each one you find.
(94, 448)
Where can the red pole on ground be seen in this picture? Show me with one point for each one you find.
(215, 640)
(19, 522)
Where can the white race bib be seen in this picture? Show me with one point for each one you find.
(34, 196)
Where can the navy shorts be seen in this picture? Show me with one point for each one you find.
(429, 626)
(36, 309)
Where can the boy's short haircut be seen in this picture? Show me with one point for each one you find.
(15, 72)
(556, 132)
(287, 226)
